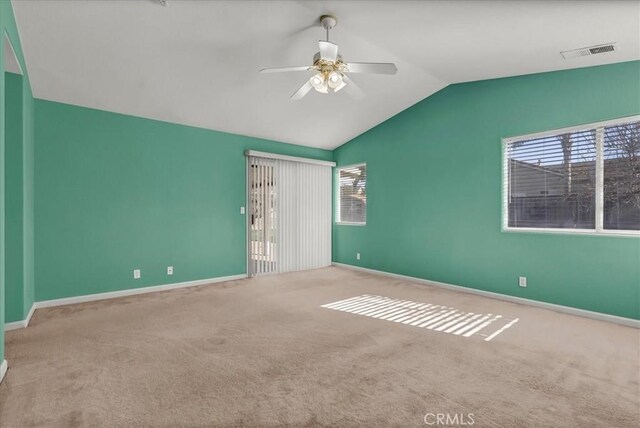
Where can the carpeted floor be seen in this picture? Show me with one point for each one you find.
(263, 352)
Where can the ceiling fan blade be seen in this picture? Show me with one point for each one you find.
(372, 67)
(304, 89)
(352, 89)
(328, 50)
(284, 69)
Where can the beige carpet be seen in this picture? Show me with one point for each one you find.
(263, 352)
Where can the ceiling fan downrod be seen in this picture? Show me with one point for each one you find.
(328, 22)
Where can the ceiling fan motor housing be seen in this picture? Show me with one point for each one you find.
(317, 57)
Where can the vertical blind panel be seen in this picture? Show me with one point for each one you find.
(352, 184)
(304, 221)
(290, 226)
(621, 180)
(551, 181)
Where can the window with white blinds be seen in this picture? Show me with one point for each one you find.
(352, 195)
(582, 179)
(621, 177)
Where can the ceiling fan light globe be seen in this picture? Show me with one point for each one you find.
(334, 79)
(324, 88)
(318, 82)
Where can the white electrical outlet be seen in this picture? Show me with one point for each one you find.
(241, 210)
(357, 256)
(169, 270)
(136, 274)
(522, 281)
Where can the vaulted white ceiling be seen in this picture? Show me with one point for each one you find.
(197, 62)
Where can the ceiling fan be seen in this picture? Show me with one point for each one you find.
(330, 71)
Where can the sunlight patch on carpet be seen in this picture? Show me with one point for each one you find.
(439, 318)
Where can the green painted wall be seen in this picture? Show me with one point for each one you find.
(28, 199)
(19, 268)
(114, 193)
(14, 199)
(28, 153)
(16, 192)
(434, 192)
(4, 11)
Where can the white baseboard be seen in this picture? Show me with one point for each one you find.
(3, 369)
(558, 308)
(30, 314)
(22, 323)
(134, 291)
(15, 325)
(114, 294)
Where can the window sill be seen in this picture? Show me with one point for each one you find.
(347, 223)
(588, 232)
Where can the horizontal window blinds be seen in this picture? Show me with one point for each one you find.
(621, 177)
(587, 179)
(352, 203)
(552, 181)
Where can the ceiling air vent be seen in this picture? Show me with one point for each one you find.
(591, 50)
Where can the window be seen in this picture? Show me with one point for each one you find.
(352, 195)
(582, 179)
(621, 177)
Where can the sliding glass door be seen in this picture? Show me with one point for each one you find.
(289, 215)
(262, 216)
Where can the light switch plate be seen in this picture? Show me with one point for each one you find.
(241, 210)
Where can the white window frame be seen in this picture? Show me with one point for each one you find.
(599, 229)
(337, 200)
